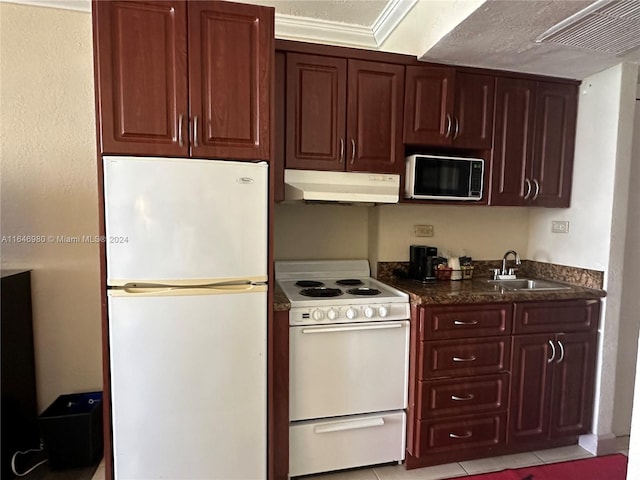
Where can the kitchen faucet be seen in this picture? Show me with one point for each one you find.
(511, 271)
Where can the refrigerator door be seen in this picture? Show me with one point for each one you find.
(182, 221)
(188, 380)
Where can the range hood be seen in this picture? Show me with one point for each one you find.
(343, 187)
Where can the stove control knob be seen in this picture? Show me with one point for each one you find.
(332, 314)
(317, 315)
(369, 312)
(351, 313)
(383, 311)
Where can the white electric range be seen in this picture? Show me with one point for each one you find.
(348, 366)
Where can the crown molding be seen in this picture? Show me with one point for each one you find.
(390, 17)
(290, 27)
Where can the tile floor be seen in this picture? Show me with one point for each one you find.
(461, 469)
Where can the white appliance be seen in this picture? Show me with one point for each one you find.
(348, 366)
(342, 187)
(186, 244)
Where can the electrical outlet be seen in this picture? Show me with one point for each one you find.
(423, 230)
(560, 226)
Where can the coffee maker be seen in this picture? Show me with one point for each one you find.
(422, 263)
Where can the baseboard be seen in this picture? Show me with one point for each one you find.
(599, 444)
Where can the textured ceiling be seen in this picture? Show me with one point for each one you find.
(501, 34)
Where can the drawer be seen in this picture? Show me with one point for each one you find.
(457, 358)
(345, 442)
(463, 396)
(459, 321)
(556, 316)
(455, 434)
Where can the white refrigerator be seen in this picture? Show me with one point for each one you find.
(186, 245)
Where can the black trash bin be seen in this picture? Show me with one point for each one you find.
(71, 429)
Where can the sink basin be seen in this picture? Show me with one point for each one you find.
(528, 284)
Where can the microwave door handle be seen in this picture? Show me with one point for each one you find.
(528, 182)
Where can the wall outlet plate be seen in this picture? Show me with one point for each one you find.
(423, 230)
(560, 226)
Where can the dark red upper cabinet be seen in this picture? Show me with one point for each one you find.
(448, 108)
(141, 77)
(316, 101)
(153, 100)
(230, 56)
(343, 114)
(374, 117)
(554, 142)
(534, 140)
(512, 146)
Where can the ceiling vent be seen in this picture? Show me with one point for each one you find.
(608, 26)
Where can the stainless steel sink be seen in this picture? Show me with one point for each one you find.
(528, 284)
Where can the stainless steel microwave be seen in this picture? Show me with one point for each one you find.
(436, 177)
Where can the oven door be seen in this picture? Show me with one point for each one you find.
(347, 369)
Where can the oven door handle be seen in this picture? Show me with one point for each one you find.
(351, 328)
(349, 425)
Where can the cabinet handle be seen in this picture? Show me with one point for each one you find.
(537, 185)
(528, 182)
(472, 358)
(449, 122)
(353, 151)
(341, 150)
(553, 352)
(467, 434)
(457, 127)
(469, 396)
(561, 352)
(465, 322)
(180, 119)
(195, 131)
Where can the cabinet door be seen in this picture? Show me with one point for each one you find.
(374, 117)
(573, 384)
(513, 137)
(531, 376)
(316, 112)
(141, 77)
(555, 129)
(428, 105)
(473, 127)
(230, 56)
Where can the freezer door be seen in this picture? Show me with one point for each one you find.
(184, 221)
(188, 385)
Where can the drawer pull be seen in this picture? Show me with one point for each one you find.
(467, 434)
(349, 425)
(465, 322)
(472, 358)
(469, 396)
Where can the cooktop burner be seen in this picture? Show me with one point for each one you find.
(364, 291)
(309, 283)
(350, 281)
(321, 292)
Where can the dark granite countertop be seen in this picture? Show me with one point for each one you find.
(480, 291)
(582, 283)
(280, 300)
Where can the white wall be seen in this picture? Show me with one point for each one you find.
(630, 313)
(597, 216)
(49, 187)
